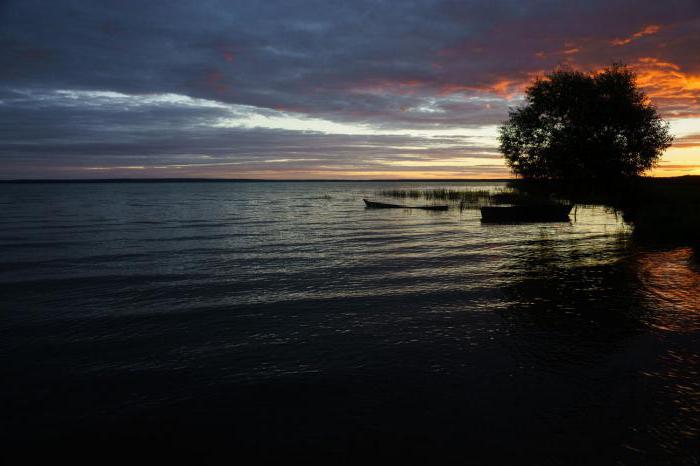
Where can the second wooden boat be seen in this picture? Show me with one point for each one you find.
(527, 213)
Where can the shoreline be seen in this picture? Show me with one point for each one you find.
(681, 179)
(253, 180)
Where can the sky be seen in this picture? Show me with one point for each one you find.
(332, 89)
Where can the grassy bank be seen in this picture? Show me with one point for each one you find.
(661, 209)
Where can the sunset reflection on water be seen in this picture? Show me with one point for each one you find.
(670, 282)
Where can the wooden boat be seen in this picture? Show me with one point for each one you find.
(384, 205)
(526, 213)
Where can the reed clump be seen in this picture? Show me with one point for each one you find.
(438, 194)
(466, 198)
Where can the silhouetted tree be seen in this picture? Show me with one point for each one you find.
(584, 125)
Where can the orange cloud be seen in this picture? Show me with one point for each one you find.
(646, 31)
(668, 84)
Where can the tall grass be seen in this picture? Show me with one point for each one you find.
(438, 194)
(466, 198)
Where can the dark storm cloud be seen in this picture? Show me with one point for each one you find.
(393, 65)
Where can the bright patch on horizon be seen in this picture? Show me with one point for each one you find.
(683, 127)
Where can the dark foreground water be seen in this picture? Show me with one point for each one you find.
(198, 322)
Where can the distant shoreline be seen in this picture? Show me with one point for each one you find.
(692, 178)
(239, 180)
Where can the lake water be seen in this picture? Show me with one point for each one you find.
(203, 321)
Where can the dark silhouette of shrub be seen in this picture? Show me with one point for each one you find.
(584, 125)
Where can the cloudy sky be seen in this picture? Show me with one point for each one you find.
(313, 89)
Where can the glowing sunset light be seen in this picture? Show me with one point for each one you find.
(253, 86)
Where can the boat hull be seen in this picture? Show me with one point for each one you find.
(383, 205)
(522, 213)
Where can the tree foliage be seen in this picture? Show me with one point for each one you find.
(584, 125)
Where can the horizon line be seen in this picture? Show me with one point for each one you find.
(219, 180)
(272, 180)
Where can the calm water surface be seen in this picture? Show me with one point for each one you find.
(284, 320)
